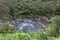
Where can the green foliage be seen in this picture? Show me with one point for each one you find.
(54, 29)
(36, 8)
(4, 10)
(15, 36)
(5, 6)
(29, 8)
(56, 20)
(41, 36)
(23, 36)
(6, 29)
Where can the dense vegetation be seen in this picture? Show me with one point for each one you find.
(11, 9)
(29, 8)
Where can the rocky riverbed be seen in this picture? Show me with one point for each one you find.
(28, 25)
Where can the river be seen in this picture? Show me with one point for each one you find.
(28, 25)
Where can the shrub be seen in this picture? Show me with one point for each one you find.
(15, 36)
(54, 29)
(6, 29)
(41, 36)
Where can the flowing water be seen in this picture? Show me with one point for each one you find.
(28, 25)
